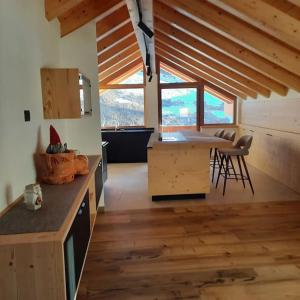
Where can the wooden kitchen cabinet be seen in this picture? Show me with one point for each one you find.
(61, 93)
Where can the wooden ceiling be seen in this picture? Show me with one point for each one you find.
(245, 47)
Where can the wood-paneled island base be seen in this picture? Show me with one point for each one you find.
(179, 162)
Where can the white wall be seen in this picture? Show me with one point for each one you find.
(79, 50)
(28, 43)
(151, 103)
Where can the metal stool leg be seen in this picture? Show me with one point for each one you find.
(226, 172)
(214, 165)
(246, 169)
(220, 169)
(234, 172)
(241, 170)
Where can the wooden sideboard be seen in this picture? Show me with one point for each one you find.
(42, 252)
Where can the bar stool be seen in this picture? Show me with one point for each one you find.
(240, 149)
(229, 136)
(219, 133)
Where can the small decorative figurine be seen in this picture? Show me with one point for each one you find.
(33, 196)
(59, 164)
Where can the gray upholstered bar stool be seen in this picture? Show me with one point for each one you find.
(229, 136)
(219, 133)
(240, 149)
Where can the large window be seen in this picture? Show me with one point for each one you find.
(122, 107)
(186, 104)
(179, 107)
(217, 110)
(122, 103)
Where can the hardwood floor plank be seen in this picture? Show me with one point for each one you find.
(237, 251)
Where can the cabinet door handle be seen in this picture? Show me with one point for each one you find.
(269, 134)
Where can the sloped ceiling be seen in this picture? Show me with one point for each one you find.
(245, 47)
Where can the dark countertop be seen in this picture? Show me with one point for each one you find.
(127, 130)
(57, 202)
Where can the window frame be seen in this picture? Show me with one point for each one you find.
(117, 86)
(201, 86)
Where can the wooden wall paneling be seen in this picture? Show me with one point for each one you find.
(245, 61)
(114, 19)
(276, 145)
(201, 74)
(212, 64)
(276, 153)
(243, 32)
(60, 90)
(104, 73)
(120, 72)
(265, 17)
(280, 115)
(83, 13)
(56, 8)
(118, 47)
(114, 37)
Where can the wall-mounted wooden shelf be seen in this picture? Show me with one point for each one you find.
(35, 246)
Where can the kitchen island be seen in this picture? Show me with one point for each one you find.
(179, 164)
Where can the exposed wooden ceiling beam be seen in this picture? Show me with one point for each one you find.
(127, 74)
(103, 73)
(265, 17)
(286, 7)
(237, 52)
(56, 8)
(180, 69)
(216, 55)
(120, 54)
(111, 21)
(196, 78)
(203, 69)
(83, 13)
(200, 74)
(295, 2)
(120, 72)
(176, 72)
(117, 48)
(240, 31)
(212, 64)
(114, 37)
(118, 58)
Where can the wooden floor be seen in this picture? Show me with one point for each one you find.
(233, 252)
(127, 188)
